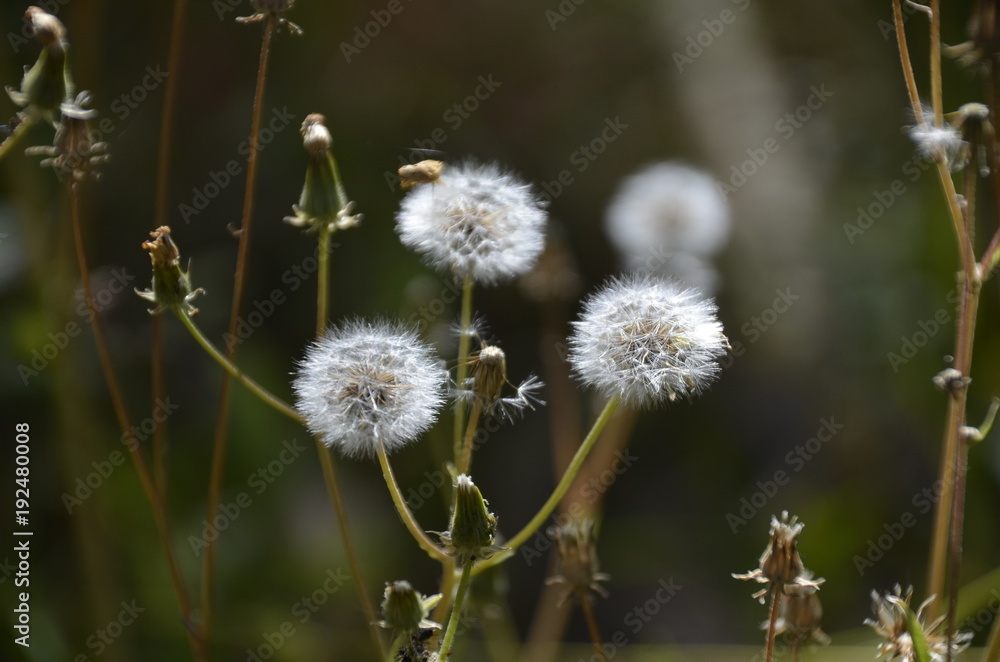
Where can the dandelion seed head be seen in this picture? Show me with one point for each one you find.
(476, 222)
(646, 340)
(667, 208)
(365, 383)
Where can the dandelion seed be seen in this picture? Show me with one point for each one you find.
(480, 223)
(368, 383)
(646, 339)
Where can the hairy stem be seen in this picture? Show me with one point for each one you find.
(242, 256)
(195, 638)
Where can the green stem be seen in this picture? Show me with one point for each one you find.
(228, 366)
(323, 285)
(560, 490)
(19, 132)
(466, 460)
(404, 511)
(463, 362)
(333, 488)
(449, 633)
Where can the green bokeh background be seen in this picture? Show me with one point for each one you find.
(559, 82)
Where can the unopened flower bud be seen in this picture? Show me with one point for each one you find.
(315, 136)
(405, 610)
(171, 286)
(47, 83)
(473, 527)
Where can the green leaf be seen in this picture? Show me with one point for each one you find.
(916, 631)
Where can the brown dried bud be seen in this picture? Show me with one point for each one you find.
(425, 172)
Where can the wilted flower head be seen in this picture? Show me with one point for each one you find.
(472, 532)
(665, 213)
(476, 222)
(171, 286)
(366, 384)
(890, 609)
(47, 83)
(404, 610)
(799, 614)
(646, 339)
(579, 570)
(73, 154)
(780, 563)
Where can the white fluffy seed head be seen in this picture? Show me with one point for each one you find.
(936, 143)
(365, 383)
(475, 221)
(646, 339)
(666, 208)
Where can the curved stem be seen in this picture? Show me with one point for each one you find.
(449, 633)
(904, 56)
(19, 132)
(242, 253)
(121, 414)
(231, 369)
(463, 362)
(404, 511)
(470, 432)
(558, 493)
(333, 488)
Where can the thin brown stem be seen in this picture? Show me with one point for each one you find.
(936, 97)
(904, 56)
(121, 414)
(333, 488)
(242, 257)
(586, 604)
(772, 622)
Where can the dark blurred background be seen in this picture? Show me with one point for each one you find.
(559, 71)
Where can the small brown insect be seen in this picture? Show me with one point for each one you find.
(424, 172)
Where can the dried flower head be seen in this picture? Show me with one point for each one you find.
(47, 83)
(664, 213)
(73, 154)
(487, 382)
(171, 287)
(482, 224)
(891, 625)
(646, 339)
(424, 172)
(799, 614)
(780, 564)
(366, 385)
(472, 532)
(578, 570)
(406, 611)
(272, 10)
(323, 202)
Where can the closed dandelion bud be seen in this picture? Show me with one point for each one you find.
(405, 610)
(487, 382)
(320, 204)
(488, 370)
(171, 286)
(473, 527)
(47, 83)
